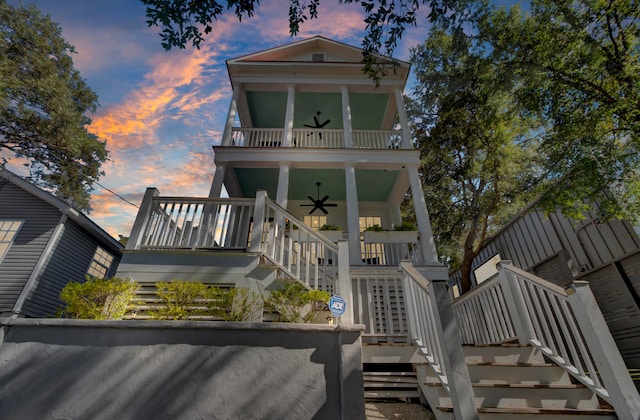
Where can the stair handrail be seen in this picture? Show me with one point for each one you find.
(301, 252)
(434, 330)
(566, 325)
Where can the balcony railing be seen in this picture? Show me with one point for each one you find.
(317, 138)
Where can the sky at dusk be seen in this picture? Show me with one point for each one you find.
(160, 112)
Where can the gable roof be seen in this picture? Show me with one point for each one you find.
(64, 207)
(302, 51)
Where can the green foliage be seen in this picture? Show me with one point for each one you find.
(98, 298)
(295, 303)
(478, 147)
(329, 227)
(374, 228)
(579, 63)
(235, 304)
(123, 239)
(406, 226)
(43, 106)
(181, 299)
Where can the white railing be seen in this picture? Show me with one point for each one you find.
(565, 324)
(316, 138)
(378, 303)
(178, 222)
(320, 138)
(390, 248)
(433, 329)
(257, 137)
(298, 249)
(377, 139)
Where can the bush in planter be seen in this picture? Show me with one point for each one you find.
(98, 298)
(294, 303)
(374, 228)
(235, 304)
(329, 227)
(406, 226)
(181, 299)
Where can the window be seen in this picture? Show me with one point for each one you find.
(315, 222)
(100, 264)
(368, 221)
(317, 57)
(8, 231)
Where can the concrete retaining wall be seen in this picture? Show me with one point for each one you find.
(179, 370)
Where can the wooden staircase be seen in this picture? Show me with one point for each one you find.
(512, 381)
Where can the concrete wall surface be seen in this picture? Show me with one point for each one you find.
(76, 369)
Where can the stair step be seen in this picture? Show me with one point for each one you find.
(529, 373)
(390, 393)
(552, 413)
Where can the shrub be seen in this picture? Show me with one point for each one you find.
(406, 226)
(329, 227)
(181, 299)
(98, 298)
(235, 304)
(295, 303)
(374, 228)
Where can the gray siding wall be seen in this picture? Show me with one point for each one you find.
(533, 239)
(40, 219)
(70, 260)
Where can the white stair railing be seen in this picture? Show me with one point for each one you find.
(192, 223)
(565, 324)
(433, 328)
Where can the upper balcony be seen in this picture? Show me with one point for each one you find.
(317, 138)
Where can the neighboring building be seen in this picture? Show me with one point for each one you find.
(45, 244)
(560, 250)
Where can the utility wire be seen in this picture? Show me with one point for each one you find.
(116, 194)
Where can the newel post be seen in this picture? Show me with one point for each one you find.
(258, 221)
(142, 218)
(344, 287)
(515, 303)
(611, 367)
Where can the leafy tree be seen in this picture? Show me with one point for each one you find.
(579, 66)
(478, 165)
(43, 106)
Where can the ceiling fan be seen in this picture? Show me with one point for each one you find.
(317, 122)
(319, 204)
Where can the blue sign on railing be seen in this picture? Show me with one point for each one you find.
(337, 305)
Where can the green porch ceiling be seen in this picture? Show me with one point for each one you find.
(267, 109)
(372, 185)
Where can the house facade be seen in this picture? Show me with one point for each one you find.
(311, 143)
(44, 244)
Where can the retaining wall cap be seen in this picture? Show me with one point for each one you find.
(150, 324)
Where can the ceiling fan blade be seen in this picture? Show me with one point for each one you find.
(311, 198)
(325, 198)
(324, 123)
(323, 210)
(316, 121)
(310, 126)
(330, 205)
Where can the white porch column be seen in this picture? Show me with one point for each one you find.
(422, 216)
(404, 120)
(218, 179)
(287, 140)
(282, 194)
(346, 118)
(227, 135)
(353, 214)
